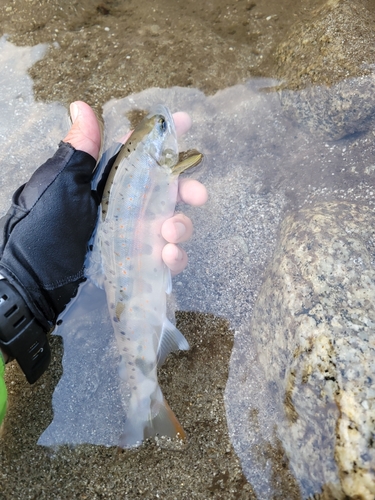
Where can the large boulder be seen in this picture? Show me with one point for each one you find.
(314, 324)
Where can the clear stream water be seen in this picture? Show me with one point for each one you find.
(258, 165)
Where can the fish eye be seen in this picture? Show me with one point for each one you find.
(163, 124)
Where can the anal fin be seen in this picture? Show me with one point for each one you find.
(171, 340)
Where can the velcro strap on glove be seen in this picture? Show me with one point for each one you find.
(21, 336)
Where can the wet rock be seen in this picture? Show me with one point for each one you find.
(347, 108)
(314, 322)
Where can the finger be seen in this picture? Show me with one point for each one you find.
(175, 258)
(192, 192)
(84, 134)
(182, 122)
(177, 229)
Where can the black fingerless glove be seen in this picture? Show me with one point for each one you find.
(44, 235)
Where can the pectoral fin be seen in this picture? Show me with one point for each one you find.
(171, 340)
(189, 159)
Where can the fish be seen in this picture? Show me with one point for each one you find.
(126, 260)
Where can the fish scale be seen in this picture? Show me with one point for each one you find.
(126, 260)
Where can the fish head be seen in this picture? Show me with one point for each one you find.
(162, 137)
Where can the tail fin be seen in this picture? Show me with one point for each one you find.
(160, 421)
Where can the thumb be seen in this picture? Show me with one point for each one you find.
(84, 134)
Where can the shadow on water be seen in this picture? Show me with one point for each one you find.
(264, 173)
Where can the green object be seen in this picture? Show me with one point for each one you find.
(3, 390)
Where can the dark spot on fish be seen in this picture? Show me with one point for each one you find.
(106, 242)
(150, 215)
(112, 306)
(122, 332)
(146, 249)
(157, 188)
(144, 366)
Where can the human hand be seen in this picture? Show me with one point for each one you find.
(85, 136)
(44, 235)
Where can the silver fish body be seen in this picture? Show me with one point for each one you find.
(126, 260)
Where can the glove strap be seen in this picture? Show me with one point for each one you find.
(21, 336)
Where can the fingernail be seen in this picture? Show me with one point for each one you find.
(179, 255)
(180, 229)
(74, 111)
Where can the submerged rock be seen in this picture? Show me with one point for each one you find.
(335, 42)
(329, 59)
(314, 322)
(342, 110)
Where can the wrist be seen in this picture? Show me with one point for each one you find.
(21, 336)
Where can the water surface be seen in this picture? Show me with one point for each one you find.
(259, 166)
